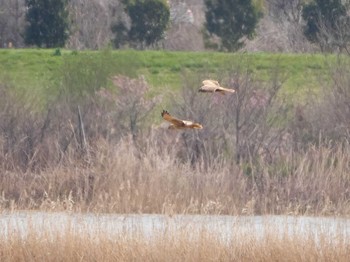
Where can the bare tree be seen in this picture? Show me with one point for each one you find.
(132, 106)
(327, 24)
(91, 21)
(334, 38)
(253, 116)
(11, 22)
(328, 117)
(281, 28)
(287, 9)
(242, 125)
(184, 32)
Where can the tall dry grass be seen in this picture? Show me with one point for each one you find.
(181, 245)
(122, 179)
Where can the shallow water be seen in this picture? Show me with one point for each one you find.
(223, 227)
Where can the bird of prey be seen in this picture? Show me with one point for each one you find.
(213, 86)
(179, 124)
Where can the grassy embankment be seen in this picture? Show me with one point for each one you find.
(36, 69)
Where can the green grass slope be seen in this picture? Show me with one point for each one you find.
(36, 69)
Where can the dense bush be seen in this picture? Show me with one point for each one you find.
(47, 23)
(231, 21)
(149, 20)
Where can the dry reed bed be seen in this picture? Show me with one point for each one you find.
(122, 179)
(182, 245)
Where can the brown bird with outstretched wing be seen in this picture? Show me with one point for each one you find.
(179, 124)
(212, 86)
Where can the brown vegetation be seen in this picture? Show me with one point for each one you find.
(182, 245)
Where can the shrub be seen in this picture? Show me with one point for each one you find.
(149, 20)
(231, 21)
(47, 23)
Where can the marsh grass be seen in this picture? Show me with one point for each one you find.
(181, 245)
(124, 180)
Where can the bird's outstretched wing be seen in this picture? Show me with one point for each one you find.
(210, 82)
(213, 86)
(178, 123)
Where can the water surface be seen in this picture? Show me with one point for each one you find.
(224, 227)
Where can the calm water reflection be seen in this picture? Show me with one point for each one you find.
(150, 225)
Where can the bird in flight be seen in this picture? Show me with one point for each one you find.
(212, 86)
(179, 124)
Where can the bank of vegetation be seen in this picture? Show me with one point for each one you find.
(90, 136)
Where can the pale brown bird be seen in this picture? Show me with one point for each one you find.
(179, 124)
(212, 86)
